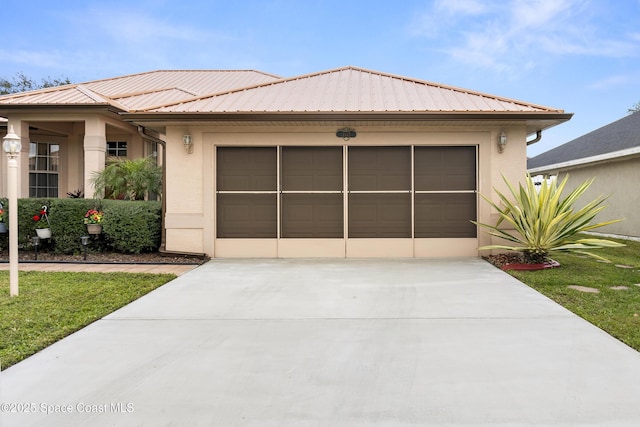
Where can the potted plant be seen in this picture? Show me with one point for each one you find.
(42, 224)
(93, 220)
(3, 219)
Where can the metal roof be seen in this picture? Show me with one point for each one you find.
(347, 93)
(617, 137)
(144, 90)
(350, 89)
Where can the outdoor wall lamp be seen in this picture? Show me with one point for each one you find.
(502, 142)
(12, 144)
(346, 133)
(188, 143)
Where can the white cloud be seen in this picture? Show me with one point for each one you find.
(502, 39)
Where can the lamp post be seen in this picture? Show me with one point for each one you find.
(12, 147)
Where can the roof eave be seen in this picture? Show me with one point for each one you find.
(559, 117)
(8, 109)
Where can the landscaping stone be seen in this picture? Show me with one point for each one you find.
(619, 288)
(584, 289)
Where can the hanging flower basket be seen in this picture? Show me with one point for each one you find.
(43, 226)
(43, 233)
(94, 228)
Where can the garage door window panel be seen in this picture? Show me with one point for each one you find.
(247, 192)
(312, 184)
(445, 192)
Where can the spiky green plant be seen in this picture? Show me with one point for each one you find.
(544, 221)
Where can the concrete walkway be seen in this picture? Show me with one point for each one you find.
(332, 343)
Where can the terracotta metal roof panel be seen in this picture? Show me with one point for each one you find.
(350, 89)
(199, 82)
(73, 94)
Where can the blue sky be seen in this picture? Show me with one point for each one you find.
(582, 56)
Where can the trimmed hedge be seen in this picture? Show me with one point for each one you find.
(128, 226)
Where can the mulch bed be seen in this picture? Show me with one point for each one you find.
(515, 261)
(106, 257)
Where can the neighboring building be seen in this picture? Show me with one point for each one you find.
(341, 163)
(611, 154)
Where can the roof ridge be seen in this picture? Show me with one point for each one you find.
(100, 98)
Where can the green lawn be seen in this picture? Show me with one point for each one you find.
(615, 311)
(53, 305)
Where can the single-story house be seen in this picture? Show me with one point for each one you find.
(347, 162)
(611, 154)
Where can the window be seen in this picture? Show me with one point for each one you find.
(117, 148)
(43, 169)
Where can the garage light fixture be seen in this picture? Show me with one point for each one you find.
(502, 142)
(346, 133)
(188, 143)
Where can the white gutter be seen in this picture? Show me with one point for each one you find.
(586, 160)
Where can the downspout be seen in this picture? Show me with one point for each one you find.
(537, 138)
(164, 181)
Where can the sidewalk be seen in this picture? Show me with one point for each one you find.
(177, 269)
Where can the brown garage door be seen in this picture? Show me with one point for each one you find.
(384, 199)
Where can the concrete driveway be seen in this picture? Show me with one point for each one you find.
(332, 343)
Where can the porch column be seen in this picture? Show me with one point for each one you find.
(95, 149)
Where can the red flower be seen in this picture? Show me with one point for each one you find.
(36, 218)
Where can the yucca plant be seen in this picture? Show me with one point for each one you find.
(544, 221)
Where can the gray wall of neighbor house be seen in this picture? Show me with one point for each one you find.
(619, 181)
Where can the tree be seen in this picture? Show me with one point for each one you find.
(22, 83)
(544, 221)
(128, 179)
(634, 109)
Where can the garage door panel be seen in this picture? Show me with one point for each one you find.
(379, 168)
(246, 216)
(312, 168)
(246, 169)
(445, 215)
(379, 215)
(445, 168)
(312, 216)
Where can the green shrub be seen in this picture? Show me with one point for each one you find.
(132, 226)
(129, 226)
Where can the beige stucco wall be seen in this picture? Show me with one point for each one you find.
(190, 187)
(618, 180)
